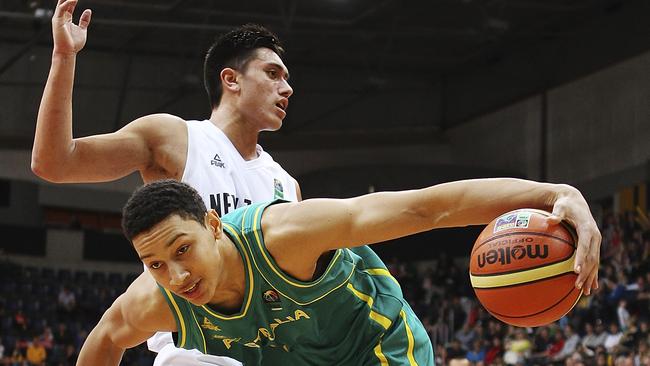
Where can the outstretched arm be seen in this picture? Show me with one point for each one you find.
(57, 156)
(328, 223)
(134, 317)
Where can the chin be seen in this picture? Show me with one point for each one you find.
(273, 127)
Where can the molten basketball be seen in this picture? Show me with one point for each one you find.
(521, 268)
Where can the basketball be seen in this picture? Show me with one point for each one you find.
(521, 268)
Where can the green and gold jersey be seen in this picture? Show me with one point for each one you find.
(353, 314)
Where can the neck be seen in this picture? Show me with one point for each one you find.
(241, 133)
(229, 294)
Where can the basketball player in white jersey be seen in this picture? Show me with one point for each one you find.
(246, 81)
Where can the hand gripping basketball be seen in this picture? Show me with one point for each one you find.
(522, 268)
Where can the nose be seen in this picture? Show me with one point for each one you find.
(177, 274)
(285, 89)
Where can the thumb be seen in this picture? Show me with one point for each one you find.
(84, 20)
(559, 213)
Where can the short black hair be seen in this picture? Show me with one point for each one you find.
(234, 49)
(154, 202)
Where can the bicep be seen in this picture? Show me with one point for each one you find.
(324, 224)
(111, 156)
(107, 157)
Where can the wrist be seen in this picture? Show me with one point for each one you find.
(63, 55)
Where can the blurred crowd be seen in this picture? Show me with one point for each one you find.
(45, 315)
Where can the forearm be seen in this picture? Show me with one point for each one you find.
(53, 142)
(98, 349)
(476, 202)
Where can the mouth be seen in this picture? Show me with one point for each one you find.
(283, 104)
(192, 291)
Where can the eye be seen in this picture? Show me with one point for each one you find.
(183, 249)
(273, 74)
(155, 265)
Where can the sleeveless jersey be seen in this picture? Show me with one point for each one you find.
(224, 179)
(353, 314)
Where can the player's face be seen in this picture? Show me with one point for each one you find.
(182, 256)
(265, 90)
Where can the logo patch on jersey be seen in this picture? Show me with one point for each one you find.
(207, 324)
(216, 161)
(278, 189)
(272, 298)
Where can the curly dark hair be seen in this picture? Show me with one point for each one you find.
(234, 49)
(154, 202)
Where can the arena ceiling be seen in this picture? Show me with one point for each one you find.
(474, 42)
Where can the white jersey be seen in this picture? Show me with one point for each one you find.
(224, 179)
(226, 182)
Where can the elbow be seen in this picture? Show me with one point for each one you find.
(44, 170)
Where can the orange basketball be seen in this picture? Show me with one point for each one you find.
(521, 268)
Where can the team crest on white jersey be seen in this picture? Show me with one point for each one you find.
(278, 189)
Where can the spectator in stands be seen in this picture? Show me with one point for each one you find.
(477, 352)
(62, 337)
(642, 292)
(466, 336)
(622, 314)
(47, 338)
(613, 337)
(70, 355)
(642, 356)
(557, 344)
(67, 302)
(495, 352)
(17, 357)
(541, 343)
(591, 339)
(517, 349)
(571, 342)
(455, 351)
(36, 353)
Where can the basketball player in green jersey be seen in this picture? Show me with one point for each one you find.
(295, 281)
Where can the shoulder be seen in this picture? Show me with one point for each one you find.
(153, 122)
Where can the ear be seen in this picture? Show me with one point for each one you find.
(229, 79)
(213, 222)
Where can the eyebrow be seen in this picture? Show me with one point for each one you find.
(277, 65)
(169, 243)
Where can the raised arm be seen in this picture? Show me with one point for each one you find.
(329, 224)
(56, 155)
(134, 317)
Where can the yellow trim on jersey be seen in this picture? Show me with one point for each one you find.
(180, 318)
(510, 279)
(249, 248)
(380, 355)
(409, 336)
(384, 321)
(308, 302)
(381, 272)
(198, 326)
(251, 283)
(272, 266)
